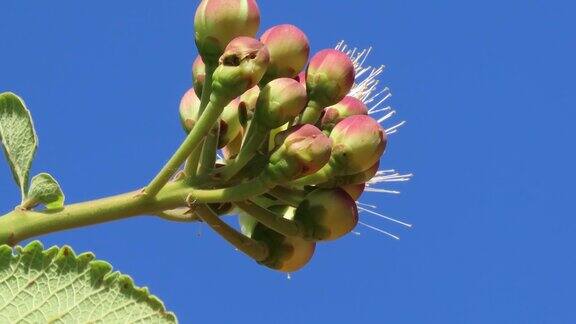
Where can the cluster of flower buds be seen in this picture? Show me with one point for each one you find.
(297, 147)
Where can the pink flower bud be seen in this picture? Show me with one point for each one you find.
(240, 68)
(349, 106)
(359, 142)
(354, 190)
(329, 77)
(189, 106)
(304, 150)
(289, 50)
(327, 214)
(217, 22)
(286, 254)
(199, 75)
(280, 101)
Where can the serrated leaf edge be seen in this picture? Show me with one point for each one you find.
(101, 271)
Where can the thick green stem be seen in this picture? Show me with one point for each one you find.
(254, 249)
(271, 220)
(20, 224)
(209, 149)
(311, 114)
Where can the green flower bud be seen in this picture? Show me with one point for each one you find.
(304, 149)
(329, 77)
(248, 101)
(217, 22)
(327, 214)
(289, 50)
(189, 106)
(240, 68)
(199, 75)
(280, 101)
(359, 142)
(230, 126)
(286, 254)
(349, 106)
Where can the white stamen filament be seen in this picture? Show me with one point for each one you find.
(378, 230)
(385, 217)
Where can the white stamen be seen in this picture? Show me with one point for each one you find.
(385, 217)
(366, 205)
(394, 192)
(379, 230)
(356, 233)
(394, 128)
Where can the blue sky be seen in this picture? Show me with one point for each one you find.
(486, 88)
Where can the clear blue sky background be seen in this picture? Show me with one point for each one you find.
(486, 88)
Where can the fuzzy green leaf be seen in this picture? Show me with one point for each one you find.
(18, 138)
(45, 190)
(57, 286)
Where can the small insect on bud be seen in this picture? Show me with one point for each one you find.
(359, 142)
(349, 106)
(189, 106)
(329, 77)
(289, 51)
(240, 68)
(217, 22)
(304, 149)
(198, 75)
(286, 254)
(327, 214)
(279, 101)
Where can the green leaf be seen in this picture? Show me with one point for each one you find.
(44, 190)
(55, 285)
(18, 138)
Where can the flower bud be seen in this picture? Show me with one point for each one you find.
(240, 68)
(304, 150)
(199, 75)
(231, 149)
(189, 106)
(327, 214)
(280, 101)
(354, 190)
(329, 77)
(286, 254)
(359, 142)
(217, 22)
(289, 50)
(230, 126)
(248, 100)
(349, 106)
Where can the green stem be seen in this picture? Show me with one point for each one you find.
(192, 141)
(271, 220)
(208, 156)
(254, 249)
(289, 196)
(255, 136)
(311, 114)
(191, 167)
(319, 177)
(20, 224)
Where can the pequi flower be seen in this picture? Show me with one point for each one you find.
(189, 106)
(198, 75)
